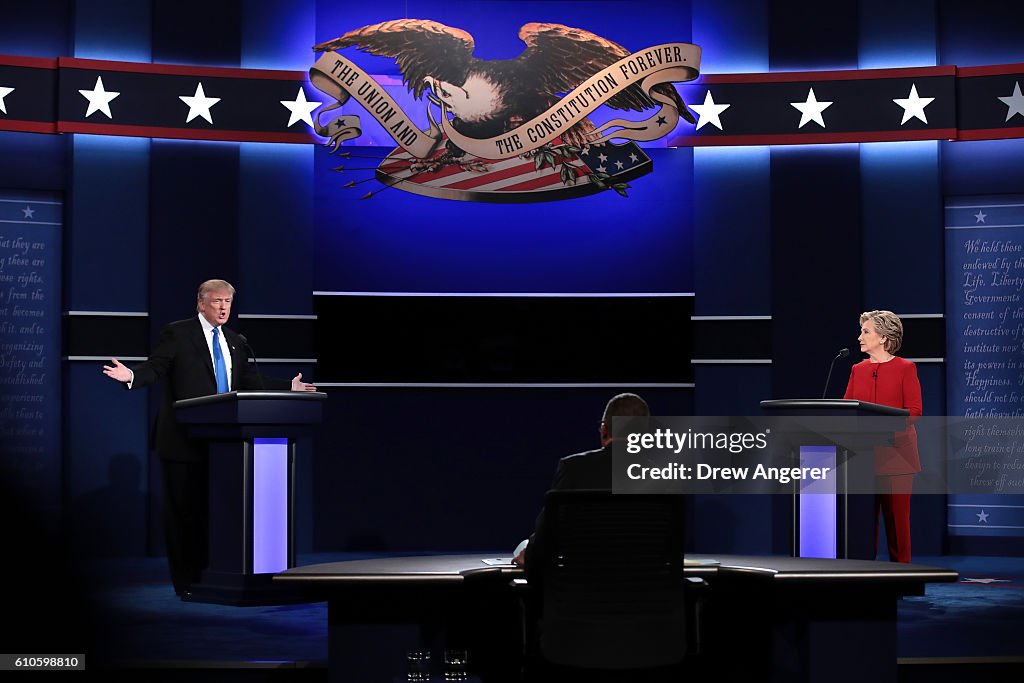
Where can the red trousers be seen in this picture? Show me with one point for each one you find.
(892, 499)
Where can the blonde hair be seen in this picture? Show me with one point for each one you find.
(212, 286)
(888, 325)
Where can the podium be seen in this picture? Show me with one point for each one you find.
(836, 519)
(250, 438)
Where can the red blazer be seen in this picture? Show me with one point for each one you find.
(895, 385)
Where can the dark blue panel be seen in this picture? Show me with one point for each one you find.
(903, 248)
(736, 524)
(927, 525)
(40, 159)
(732, 389)
(928, 512)
(401, 475)
(981, 32)
(278, 34)
(732, 240)
(197, 32)
(109, 208)
(982, 167)
(897, 34)
(275, 234)
(816, 263)
(112, 29)
(35, 29)
(106, 468)
(193, 223)
(603, 243)
(733, 36)
(807, 36)
(933, 387)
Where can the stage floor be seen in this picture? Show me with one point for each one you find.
(139, 622)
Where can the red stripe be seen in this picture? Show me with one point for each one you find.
(993, 70)
(28, 126)
(31, 62)
(534, 183)
(991, 133)
(181, 69)
(851, 75)
(493, 176)
(813, 138)
(182, 133)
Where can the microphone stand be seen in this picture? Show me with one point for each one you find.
(843, 353)
(251, 354)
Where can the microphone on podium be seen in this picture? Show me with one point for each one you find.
(251, 354)
(843, 353)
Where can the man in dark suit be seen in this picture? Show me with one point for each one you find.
(198, 357)
(589, 470)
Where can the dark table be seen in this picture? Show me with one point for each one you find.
(765, 618)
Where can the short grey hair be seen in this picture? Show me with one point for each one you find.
(624, 405)
(213, 286)
(888, 325)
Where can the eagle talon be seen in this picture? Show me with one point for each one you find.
(470, 164)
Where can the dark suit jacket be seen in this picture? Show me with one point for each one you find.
(182, 358)
(589, 470)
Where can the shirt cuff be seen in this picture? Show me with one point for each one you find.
(131, 379)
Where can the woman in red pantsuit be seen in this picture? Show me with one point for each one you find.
(891, 381)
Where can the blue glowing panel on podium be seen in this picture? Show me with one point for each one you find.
(270, 506)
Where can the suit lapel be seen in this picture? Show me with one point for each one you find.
(199, 339)
(231, 338)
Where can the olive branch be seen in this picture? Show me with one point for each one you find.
(553, 155)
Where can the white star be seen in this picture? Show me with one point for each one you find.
(602, 158)
(634, 158)
(913, 106)
(199, 104)
(300, 109)
(1014, 102)
(980, 216)
(618, 165)
(4, 92)
(29, 212)
(811, 109)
(99, 99)
(602, 169)
(709, 112)
(586, 150)
(982, 516)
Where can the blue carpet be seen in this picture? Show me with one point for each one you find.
(981, 616)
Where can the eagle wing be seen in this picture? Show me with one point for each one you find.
(561, 58)
(420, 47)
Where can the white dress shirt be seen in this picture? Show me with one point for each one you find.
(208, 333)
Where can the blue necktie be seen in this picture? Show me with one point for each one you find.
(220, 368)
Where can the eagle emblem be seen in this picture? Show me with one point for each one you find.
(530, 112)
